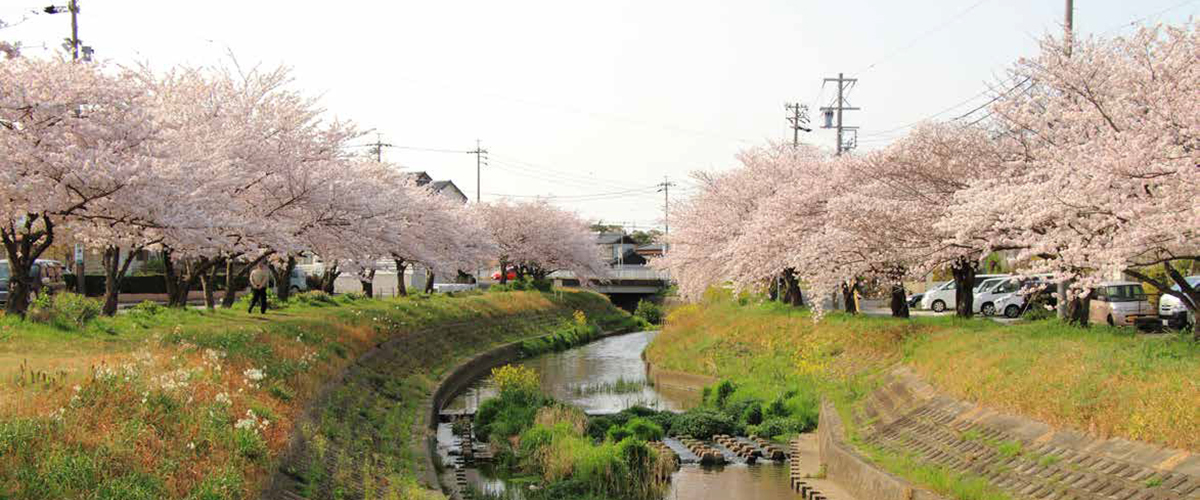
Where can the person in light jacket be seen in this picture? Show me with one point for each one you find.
(259, 279)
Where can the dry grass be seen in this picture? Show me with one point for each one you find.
(1102, 380)
(189, 404)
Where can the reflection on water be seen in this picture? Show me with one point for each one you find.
(575, 375)
(734, 482)
(567, 375)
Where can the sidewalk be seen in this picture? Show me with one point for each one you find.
(805, 464)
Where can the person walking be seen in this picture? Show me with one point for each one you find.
(259, 278)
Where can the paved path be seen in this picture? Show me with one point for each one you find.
(806, 464)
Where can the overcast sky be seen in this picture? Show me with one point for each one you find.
(596, 102)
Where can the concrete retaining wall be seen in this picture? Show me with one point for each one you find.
(455, 382)
(853, 472)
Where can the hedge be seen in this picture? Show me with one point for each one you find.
(150, 283)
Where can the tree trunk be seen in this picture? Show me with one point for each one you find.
(429, 281)
(964, 270)
(773, 290)
(114, 274)
(170, 276)
(230, 295)
(899, 302)
(24, 246)
(368, 283)
(503, 272)
(283, 279)
(848, 289)
(792, 294)
(208, 280)
(401, 268)
(329, 277)
(182, 276)
(1077, 311)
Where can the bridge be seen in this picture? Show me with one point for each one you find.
(625, 285)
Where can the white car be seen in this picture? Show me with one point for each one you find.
(1171, 310)
(942, 298)
(1011, 304)
(991, 291)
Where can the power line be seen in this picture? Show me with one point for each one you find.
(1143, 18)
(939, 113)
(843, 85)
(922, 36)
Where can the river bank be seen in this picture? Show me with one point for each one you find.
(191, 404)
(1101, 381)
(603, 378)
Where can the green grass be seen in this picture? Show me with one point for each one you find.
(165, 403)
(942, 480)
(1105, 380)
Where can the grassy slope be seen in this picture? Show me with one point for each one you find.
(149, 405)
(1102, 380)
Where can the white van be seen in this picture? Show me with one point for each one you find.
(1171, 310)
(943, 297)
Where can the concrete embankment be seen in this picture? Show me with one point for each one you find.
(1021, 456)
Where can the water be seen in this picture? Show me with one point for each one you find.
(576, 376)
(583, 377)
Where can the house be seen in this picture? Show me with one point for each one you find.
(619, 249)
(446, 188)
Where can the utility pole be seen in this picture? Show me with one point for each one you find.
(844, 84)
(798, 120)
(665, 189)
(74, 29)
(480, 160)
(1068, 28)
(73, 8)
(377, 148)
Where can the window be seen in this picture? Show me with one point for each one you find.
(1122, 293)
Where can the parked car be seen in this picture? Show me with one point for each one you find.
(1011, 304)
(1121, 303)
(48, 277)
(1171, 310)
(298, 281)
(991, 291)
(943, 297)
(512, 275)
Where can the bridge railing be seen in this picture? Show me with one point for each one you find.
(618, 273)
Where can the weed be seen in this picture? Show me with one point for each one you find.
(1009, 449)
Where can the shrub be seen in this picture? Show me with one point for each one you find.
(68, 311)
(776, 427)
(644, 429)
(724, 390)
(617, 433)
(703, 423)
(753, 414)
(597, 428)
(776, 408)
(649, 311)
(515, 378)
(313, 297)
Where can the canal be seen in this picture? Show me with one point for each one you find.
(608, 376)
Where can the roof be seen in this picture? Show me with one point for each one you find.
(613, 238)
(651, 247)
(448, 187)
(421, 177)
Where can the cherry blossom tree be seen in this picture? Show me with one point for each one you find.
(1106, 171)
(537, 239)
(72, 139)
